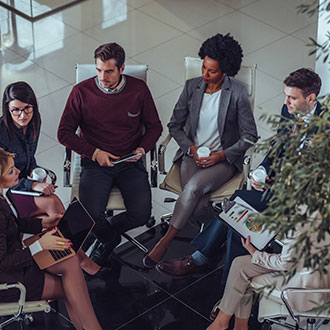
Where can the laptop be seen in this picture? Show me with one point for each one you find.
(75, 225)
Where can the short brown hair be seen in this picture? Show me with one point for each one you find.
(111, 50)
(4, 159)
(306, 80)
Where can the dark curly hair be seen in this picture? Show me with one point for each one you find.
(306, 80)
(225, 50)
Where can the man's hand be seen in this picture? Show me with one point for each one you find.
(138, 150)
(258, 185)
(46, 188)
(247, 245)
(104, 158)
(214, 158)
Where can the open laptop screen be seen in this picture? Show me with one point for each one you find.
(76, 224)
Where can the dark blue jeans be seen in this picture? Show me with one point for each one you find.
(95, 187)
(209, 241)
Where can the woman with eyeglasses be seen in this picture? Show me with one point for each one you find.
(63, 280)
(19, 134)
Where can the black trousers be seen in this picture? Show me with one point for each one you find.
(95, 186)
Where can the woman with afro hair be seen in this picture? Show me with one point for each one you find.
(220, 118)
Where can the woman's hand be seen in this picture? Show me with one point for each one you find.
(247, 245)
(214, 158)
(51, 221)
(51, 242)
(46, 188)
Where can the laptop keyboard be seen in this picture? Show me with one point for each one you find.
(56, 254)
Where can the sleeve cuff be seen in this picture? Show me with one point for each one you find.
(35, 248)
(94, 154)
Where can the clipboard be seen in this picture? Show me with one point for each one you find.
(237, 215)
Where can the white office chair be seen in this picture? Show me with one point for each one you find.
(72, 167)
(22, 309)
(172, 181)
(279, 305)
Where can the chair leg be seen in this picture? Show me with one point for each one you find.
(136, 243)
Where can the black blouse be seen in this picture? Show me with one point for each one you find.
(24, 147)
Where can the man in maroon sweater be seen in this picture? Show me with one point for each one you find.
(116, 115)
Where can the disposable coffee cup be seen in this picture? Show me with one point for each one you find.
(259, 175)
(203, 152)
(39, 174)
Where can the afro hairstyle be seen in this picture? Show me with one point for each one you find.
(225, 50)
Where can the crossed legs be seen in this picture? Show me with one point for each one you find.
(72, 289)
(197, 183)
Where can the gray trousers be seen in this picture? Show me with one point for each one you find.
(241, 273)
(198, 182)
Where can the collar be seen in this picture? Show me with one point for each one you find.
(308, 116)
(116, 90)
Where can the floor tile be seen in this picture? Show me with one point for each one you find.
(203, 294)
(130, 32)
(306, 33)
(237, 4)
(29, 36)
(51, 108)
(183, 17)
(137, 3)
(267, 87)
(280, 14)
(250, 33)
(170, 315)
(123, 296)
(21, 69)
(45, 143)
(287, 55)
(68, 52)
(90, 13)
(165, 105)
(172, 65)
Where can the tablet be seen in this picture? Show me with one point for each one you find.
(28, 193)
(126, 157)
(238, 217)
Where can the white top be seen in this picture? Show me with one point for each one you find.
(207, 134)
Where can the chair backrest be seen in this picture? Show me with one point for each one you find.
(85, 71)
(246, 75)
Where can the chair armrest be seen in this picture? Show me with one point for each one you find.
(21, 288)
(161, 154)
(298, 290)
(153, 168)
(67, 168)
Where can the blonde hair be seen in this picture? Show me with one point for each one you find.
(4, 162)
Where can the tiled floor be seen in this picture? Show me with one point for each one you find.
(159, 33)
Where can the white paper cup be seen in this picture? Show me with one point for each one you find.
(259, 175)
(203, 152)
(39, 174)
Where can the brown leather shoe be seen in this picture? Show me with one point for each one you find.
(180, 267)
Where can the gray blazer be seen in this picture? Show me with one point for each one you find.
(235, 119)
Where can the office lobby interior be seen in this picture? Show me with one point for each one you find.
(160, 34)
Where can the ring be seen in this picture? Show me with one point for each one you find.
(60, 243)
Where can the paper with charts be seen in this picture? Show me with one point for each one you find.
(237, 214)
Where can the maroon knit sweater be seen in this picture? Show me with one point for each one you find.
(111, 122)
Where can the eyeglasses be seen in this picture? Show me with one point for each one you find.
(18, 111)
